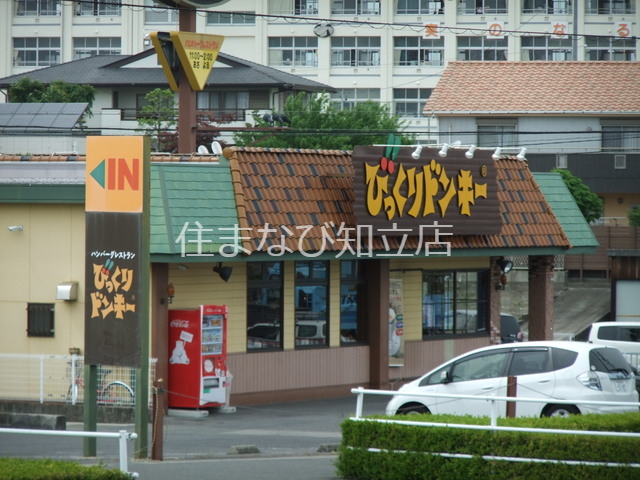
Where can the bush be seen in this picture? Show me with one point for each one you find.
(634, 216)
(47, 469)
(408, 452)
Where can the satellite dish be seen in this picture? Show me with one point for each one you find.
(323, 30)
(202, 150)
(193, 3)
(216, 148)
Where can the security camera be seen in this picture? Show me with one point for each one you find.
(15, 228)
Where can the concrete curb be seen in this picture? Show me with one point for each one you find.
(37, 421)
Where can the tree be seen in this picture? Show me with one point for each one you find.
(157, 116)
(33, 91)
(588, 202)
(315, 123)
(634, 216)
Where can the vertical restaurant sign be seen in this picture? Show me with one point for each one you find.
(391, 187)
(116, 170)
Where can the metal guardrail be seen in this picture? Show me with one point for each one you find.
(360, 392)
(123, 436)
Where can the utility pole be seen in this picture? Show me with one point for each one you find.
(186, 95)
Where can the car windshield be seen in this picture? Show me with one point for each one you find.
(608, 360)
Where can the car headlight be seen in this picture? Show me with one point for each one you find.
(590, 380)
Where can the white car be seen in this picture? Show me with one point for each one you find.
(622, 335)
(547, 370)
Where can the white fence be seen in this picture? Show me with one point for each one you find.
(60, 378)
(494, 414)
(123, 436)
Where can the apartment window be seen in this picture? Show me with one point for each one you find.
(547, 6)
(481, 48)
(545, 48)
(599, 48)
(293, 7)
(470, 7)
(562, 160)
(311, 303)
(98, 8)
(84, 47)
(620, 138)
(356, 7)
(496, 133)
(227, 106)
(293, 51)
(37, 7)
(454, 302)
(607, 7)
(352, 290)
(355, 51)
(157, 13)
(347, 98)
(36, 52)
(409, 102)
(420, 7)
(40, 319)
(264, 305)
(418, 51)
(231, 18)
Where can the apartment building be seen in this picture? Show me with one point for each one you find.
(393, 52)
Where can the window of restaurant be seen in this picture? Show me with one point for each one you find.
(311, 303)
(352, 300)
(454, 302)
(264, 305)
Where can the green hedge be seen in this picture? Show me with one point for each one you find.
(46, 469)
(413, 445)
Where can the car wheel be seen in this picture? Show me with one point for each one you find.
(413, 409)
(560, 411)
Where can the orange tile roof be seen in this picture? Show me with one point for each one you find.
(289, 188)
(503, 88)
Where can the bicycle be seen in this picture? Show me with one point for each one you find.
(113, 393)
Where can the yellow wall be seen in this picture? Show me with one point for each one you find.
(49, 251)
(616, 206)
(199, 285)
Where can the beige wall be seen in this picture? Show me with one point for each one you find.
(616, 206)
(48, 251)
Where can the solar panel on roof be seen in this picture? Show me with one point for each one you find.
(40, 116)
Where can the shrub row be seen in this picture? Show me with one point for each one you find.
(407, 451)
(47, 469)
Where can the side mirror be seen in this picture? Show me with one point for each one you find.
(444, 376)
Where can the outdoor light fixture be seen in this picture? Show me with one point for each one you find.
(224, 272)
(171, 292)
(416, 153)
(505, 267)
(521, 155)
(15, 228)
(496, 154)
(443, 150)
(469, 153)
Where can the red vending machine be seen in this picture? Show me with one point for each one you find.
(198, 375)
